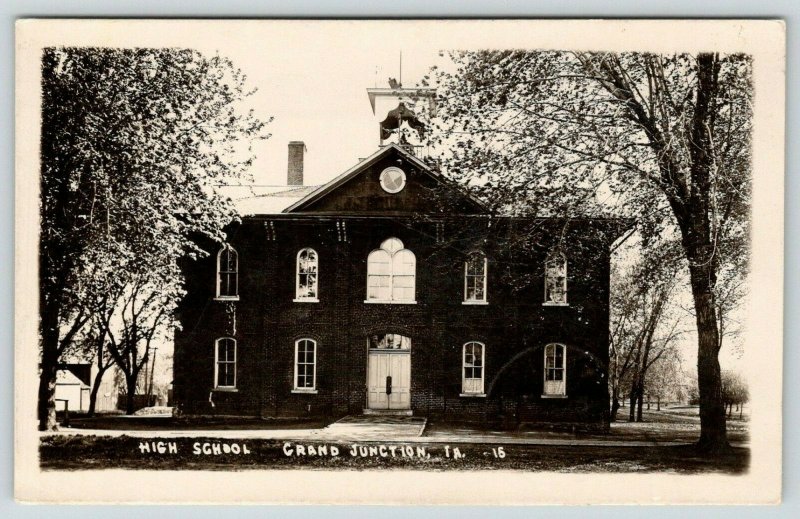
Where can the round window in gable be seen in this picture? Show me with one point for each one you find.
(393, 179)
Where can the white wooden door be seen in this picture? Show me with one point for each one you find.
(397, 393)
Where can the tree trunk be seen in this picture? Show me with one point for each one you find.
(640, 401)
(130, 383)
(713, 428)
(98, 378)
(614, 403)
(696, 234)
(658, 403)
(46, 409)
(632, 411)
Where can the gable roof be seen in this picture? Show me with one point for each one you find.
(325, 189)
(65, 377)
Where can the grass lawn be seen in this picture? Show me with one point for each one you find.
(80, 452)
(202, 451)
(666, 425)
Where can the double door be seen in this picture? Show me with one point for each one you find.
(389, 380)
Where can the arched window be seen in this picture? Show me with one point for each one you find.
(555, 279)
(475, 278)
(555, 371)
(391, 273)
(225, 363)
(305, 365)
(227, 273)
(473, 368)
(307, 276)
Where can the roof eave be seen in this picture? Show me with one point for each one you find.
(324, 189)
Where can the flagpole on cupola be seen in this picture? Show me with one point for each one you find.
(400, 112)
(401, 69)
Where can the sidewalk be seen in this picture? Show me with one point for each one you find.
(444, 437)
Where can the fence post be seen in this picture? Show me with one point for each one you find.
(66, 410)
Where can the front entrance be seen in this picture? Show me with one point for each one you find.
(389, 372)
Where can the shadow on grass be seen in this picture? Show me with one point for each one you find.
(79, 452)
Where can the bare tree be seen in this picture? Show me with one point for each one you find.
(139, 314)
(102, 357)
(662, 138)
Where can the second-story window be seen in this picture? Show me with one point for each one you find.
(391, 274)
(227, 273)
(307, 276)
(555, 279)
(475, 278)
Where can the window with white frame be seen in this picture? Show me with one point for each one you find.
(555, 279)
(555, 372)
(227, 273)
(225, 363)
(305, 365)
(475, 278)
(391, 273)
(473, 368)
(307, 275)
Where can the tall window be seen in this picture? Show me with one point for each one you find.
(555, 372)
(227, 273)
(555, 279)
(305, 365)
(225, 363)
(307, 275)
(472, 381)
(475, 278)
(391, 273)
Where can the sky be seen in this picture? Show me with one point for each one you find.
(318, 95)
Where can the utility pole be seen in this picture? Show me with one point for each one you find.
(152, 376)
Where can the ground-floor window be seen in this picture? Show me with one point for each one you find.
(555, 373)
(473, 358)
(305, 364)
(225, 363)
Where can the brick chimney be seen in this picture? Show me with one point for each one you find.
(295, 172)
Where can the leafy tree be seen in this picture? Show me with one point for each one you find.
(133, 143)
(661, 138)
(734, 391)
(665, 379)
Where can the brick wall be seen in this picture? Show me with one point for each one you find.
(514, 326)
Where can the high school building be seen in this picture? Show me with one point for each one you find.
(391, 290)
